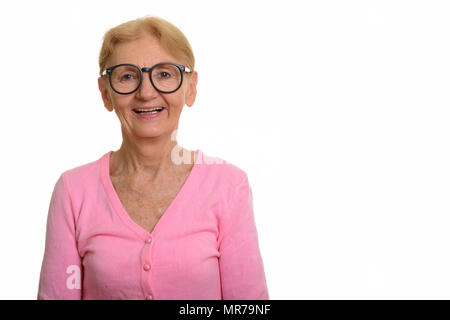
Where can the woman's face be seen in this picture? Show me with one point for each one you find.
(146, 52)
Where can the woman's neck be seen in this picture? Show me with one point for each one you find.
(148, 160)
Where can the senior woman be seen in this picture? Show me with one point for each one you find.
(151, 220)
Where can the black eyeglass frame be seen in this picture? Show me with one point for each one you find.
(180, 67)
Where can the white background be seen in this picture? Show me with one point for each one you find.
(337, 110)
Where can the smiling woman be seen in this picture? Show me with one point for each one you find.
(128, 90)
(138, 223)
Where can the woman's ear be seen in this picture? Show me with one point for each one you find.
(103, 87)
(192, 89)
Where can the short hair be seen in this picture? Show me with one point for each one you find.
(170, 38)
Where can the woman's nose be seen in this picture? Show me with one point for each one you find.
(146, 90)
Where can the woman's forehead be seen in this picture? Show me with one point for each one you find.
(144, 51)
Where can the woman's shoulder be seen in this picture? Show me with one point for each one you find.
(221, 169)
(85, 173)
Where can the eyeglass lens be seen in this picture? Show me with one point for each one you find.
(165, 78)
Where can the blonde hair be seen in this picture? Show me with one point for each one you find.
(169, 36)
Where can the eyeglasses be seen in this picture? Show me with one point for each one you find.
(165, 77)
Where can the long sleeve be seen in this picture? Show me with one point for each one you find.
(241, 266)
(61, 271)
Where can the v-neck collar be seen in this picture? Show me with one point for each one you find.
(120, 209)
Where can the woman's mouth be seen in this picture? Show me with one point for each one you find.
(148, 112)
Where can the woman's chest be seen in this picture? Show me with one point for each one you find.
(146, 205)
(146, 209)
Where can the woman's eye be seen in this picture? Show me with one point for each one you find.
(164, 75)
(127, 77)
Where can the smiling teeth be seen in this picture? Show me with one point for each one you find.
(148, 110)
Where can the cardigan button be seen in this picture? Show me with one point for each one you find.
(146, 267)
(149, 297)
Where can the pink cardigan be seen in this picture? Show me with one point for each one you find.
(205, 246)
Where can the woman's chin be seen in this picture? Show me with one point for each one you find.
(149, 133)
